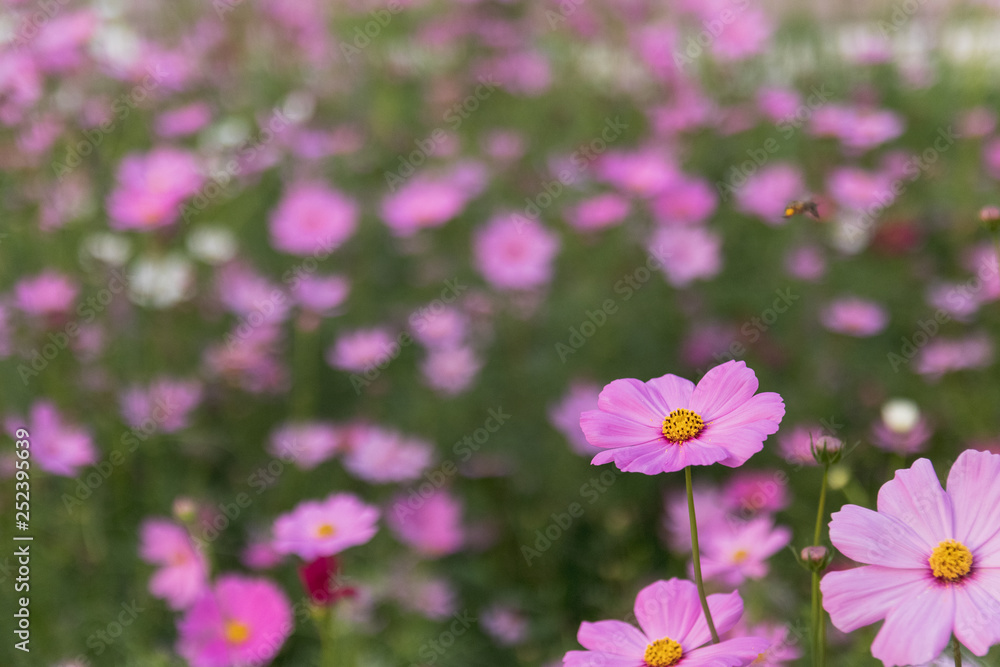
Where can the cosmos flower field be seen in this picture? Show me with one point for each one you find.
(584, 333)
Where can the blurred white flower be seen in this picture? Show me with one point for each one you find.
(161, 282)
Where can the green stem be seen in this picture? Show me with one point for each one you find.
(958, 653)
(697, 557)
(822, 504)
(816, 622)
(819, 622)
(304, 378)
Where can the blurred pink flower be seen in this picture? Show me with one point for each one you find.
(362, 350)
(767, 191)
(515, 253)
(506, 624)
(685, 201)
(805, 262)
(949, 355)
(929, 562)
(321, 294)
(57, 447)
(380, 455)
(47, 294)
(778, 104)
(423, 203)
(642, 173)
(854, 317)
(858, 189)
(784, 647)
(325, 527)
(668, 423)
(307, 444)
(433, 528)
(311, 219)
(183, 572)
(241, 622)
(245, 292)
(749, 492)
(164, 406)
(439, 327)
(451, 370)
(734, 552)
(598, 212)
(184, 120)
(748, 35)
(686, 253)
(565, 415)
(796, 443)
(151, 187)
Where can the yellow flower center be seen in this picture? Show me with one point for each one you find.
(681, 425)
(325, 530)
(663, 653)
(236, 632)
(740, 556)
(951, 560)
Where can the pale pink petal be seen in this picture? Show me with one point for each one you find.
(726, 610)
(917, 631)
(674, 392)
(874, 538)
(603, 429)
(730, 653)
(629, 398)
(669, 609)
(915, 497)
(615, 637)
(597, 659)
(859, 597)
(723, 389)
(977, 610)
(975, 496)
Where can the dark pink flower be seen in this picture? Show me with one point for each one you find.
(151, 188)
(515, 253)
(311, 219)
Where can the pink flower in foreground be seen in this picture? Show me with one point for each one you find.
(183, 572)
(673, 628)
(668, 423)
(312, 218)
(324, 528)
(932, 562)
(241, 622)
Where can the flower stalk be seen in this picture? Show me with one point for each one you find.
(697, 557)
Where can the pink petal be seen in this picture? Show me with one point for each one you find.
(730, 653)
(977, 610)
(975, 496)
(672, 391)
(726, 610)
(615, 637)
(669, 609)
(723, 389)
(603, 429)
(917, 631)
(878, 539)
(630, 398)
(859, 597)
(597, 659)
(915, 497)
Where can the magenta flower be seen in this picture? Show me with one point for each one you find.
(47, 294)
(565, 415)
(515, 253)
(381, 455)
(687, 253)
(423, 203)
(164, 406)
(312, 218)
(673, 628)
(668, 423)
(241, 622)
(432, 526)
(58, 447)
(362, 350)
(183, 572)
(324, 528)
(733, 552)
(598, 212)
(767, 191)
(856, 317)
(151, 188)
(306, 443)
(932, 562)
(451, 371)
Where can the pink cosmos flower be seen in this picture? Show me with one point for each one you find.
(151, 188)
(686, 201)
(565, 415)
(734, 552)
(423, 203)
(246, 292)
(47, 294)
(858, 189)
(748, 492)
(381, 455)
(311, 218)
(642, 173)
(306, 443)
(505, 624)
(668, 423)
(931, 566)
(324, 528)
(805, 262)
(942, 356)
(598, 212)
(165, 405)
(433, 528)
(452, 370)
(855, 317)
(796, 444)
(766, 193)
(241, 622)
(439, 327)
(687, 253)
(711, 510)
(58, 447)
(363, 349)
(673, 628)
(184, 120)
(902, 428)
(321, 294)
(515, 253)
(784, 647)
(747, 36)
(183, 572)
